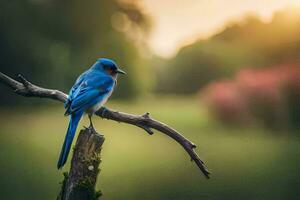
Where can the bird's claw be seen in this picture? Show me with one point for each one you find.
(91, 127)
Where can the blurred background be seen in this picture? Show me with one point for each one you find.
(226, 74)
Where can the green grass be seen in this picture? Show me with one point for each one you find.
(245, 163)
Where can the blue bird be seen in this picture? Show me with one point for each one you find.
(90, 91)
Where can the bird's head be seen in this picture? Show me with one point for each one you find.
(108, 66)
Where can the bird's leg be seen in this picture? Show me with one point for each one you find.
(91, 127)
(91, 123)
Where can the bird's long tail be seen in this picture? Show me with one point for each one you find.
(74, 120)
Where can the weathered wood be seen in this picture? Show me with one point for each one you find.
(79, 183)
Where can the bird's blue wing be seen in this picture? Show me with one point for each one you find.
(91, 91)
(75, 87)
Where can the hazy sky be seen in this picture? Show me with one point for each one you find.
(178, 22)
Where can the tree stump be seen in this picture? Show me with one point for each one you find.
(79, 183)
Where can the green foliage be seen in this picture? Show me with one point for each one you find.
(249, 43)
(52, 42)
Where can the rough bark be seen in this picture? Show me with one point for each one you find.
(80, 183)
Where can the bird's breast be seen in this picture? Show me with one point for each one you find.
(98, 105)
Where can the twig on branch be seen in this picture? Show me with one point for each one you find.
(25, 88)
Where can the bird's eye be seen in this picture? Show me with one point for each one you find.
(109, 71)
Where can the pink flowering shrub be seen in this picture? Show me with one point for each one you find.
(224, 100)
(268, 96)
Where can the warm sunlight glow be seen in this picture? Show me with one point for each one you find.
(178, 22)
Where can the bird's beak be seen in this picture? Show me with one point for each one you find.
(119, 71)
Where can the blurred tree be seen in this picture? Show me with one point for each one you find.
(249, 43)
(51, 42)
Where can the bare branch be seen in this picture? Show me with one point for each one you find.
(28, 89)
(25, 88)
